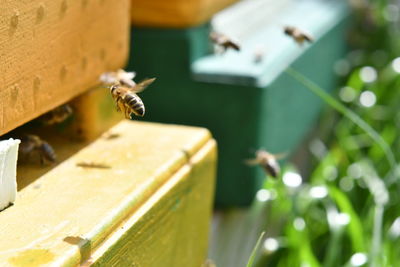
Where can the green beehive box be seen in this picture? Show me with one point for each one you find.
(246, 105)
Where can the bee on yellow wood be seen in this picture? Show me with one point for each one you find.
(298, 35)
(223, 41)
(56, 115)
(268, 161)
(31, 144)
(119, 77)
(127, 100)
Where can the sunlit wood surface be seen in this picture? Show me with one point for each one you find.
(151, 206)
(52, 51)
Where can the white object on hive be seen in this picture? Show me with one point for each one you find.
(8, 171)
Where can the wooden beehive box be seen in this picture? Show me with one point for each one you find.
(52, 51)
(175, 13)
(149, 203)
(150, 207)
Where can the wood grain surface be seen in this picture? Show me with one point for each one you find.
(152, 205)
(175, 13)
(54, 50)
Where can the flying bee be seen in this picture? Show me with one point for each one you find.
(57, 115)
(298, 35)
(268, 161)
(120, 76)
(34, 144)
(127, 100)
(223, 41)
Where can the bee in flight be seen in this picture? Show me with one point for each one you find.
(57, 115)
(268, 161)
(120, 76)
(224, 42)
(298, 35)
(31, 144)
(127, 100)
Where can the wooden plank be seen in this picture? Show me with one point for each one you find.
(52, 51)
(170, 229)
(72, 210)
(94, 113)
(176, 13)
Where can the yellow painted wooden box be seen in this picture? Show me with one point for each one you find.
(175, 13)
(151, 207)
(54, 50)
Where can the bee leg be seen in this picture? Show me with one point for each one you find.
(41, 159)
(118, 102)
(252, 162)
(127, 113)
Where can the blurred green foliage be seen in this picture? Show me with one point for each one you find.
(347, 212)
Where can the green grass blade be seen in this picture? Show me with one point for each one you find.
(355, 227)
(348, 113)
(254, 252)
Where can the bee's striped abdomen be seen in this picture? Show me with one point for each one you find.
(135, 104)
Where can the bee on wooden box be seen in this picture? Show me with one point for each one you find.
(31, 144)
(119, 77)
(127, 100)
(57, 115)
(298, 35)
(268, 161)
(224, 41)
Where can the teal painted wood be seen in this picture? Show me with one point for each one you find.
(245, 107)
(317, 17)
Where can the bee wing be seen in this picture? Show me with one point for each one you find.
(219, 38)
(307, 37)
(303, 35)
(139, 87)
(251, 162)
(108, 78)
(126, 78)
(280, 155)
(129, 75)
(214, 36)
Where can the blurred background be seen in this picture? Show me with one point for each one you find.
(336, 201)
(344, 210)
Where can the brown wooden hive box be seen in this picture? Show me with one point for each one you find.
(175, 13)
(54, 50)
